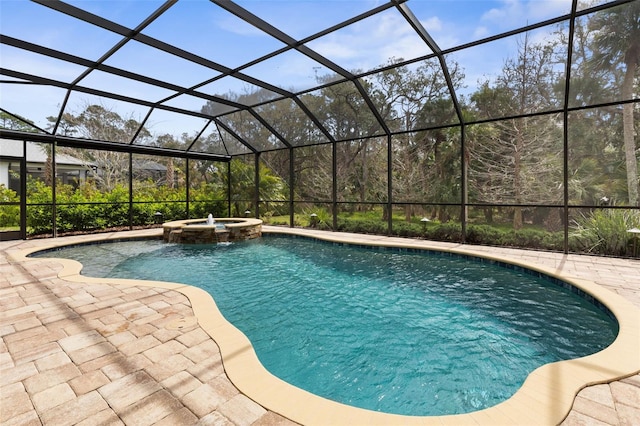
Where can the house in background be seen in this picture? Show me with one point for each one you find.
(69, 170)
(147, 169)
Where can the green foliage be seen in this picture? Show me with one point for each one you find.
(406, 229)
(362, 226)
(324, 218)
(276, 220)
(604, 232)
(242, 185)
(13, 122)
(269, 209)
(39, 209)
(526, 237)
(75, 208)
(483, 234)
(9, 215)
(117, 207)
(168, 201)
(444, 232)
(218, 208)
(86, 208)
(207, 198)
(452, 232)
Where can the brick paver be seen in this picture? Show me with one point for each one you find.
(97, 353)
(78, 353)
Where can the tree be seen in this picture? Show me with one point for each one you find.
(592, 132)
(342, 111)
(361, 171)
(271, 187)
(616, 43)
(312, 174)
(12, 122)
(98, 122)
(410, 100)
(169, 141)
(401, 93)
(518, 160)
(441, 156)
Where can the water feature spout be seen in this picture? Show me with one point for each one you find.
(210, 219)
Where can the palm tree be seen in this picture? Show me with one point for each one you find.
(617, 41)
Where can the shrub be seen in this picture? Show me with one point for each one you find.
(484, 234)
(39, 219)
(444, 232)
(142, 213)
(78, 209)
(39, 209)
(553, 241)
(115, 210)
(406, 229)
(218, 208)
(604, 232)
(362, 226)
(526, 238)
(9, 215)
(205, 199)
(277, 222)
(324, 219)
(86, 208)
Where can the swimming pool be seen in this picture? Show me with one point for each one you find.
(379, 297)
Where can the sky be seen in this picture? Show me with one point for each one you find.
(207, 30)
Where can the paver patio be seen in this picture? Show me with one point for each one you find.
(96, 353)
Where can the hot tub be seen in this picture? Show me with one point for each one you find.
(198, 231)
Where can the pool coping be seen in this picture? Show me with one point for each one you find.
(546, 396)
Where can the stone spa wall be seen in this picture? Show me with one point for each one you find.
(198, 231)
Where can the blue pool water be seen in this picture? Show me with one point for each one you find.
(400, 332)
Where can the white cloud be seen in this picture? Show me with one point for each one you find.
(522, 12)
(538, 10)
(432, 24)
(238, 26)
(373, 42)
(481, 32)
(510, 10)
(35, 64)
(336, 48)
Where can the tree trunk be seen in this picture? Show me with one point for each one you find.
(517, 170)
(628, 136)
(517, 218)
(170, 174)
(48, 169)
(488, 214)
(443, 215)
(408, 212)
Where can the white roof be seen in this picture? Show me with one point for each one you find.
(35, 153)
